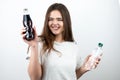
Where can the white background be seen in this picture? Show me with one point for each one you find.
(93, 21)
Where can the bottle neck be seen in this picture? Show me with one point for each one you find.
(25, 12)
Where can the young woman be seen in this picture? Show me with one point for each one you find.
(54, 54)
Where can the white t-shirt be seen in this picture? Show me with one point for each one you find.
(63, 64)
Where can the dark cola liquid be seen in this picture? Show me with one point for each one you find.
(27, 22)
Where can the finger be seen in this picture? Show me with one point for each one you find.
(97, 62)
(23, 30)
(87, 58)
(34, 27)
(23, 36)
(87, 62)
(95, 66)
(98, 58)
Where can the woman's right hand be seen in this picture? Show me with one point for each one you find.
(31, 42)
(87, 63)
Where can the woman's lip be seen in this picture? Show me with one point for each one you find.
(55, 27)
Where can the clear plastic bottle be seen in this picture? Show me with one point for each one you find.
(96, 52)
(27, 22)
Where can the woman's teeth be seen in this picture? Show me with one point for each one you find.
(55, 27)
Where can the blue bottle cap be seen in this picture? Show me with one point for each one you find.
(100, 44)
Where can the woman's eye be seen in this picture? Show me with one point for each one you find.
(59, 19)
(50, 19)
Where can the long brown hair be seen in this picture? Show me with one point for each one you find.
(47, 36)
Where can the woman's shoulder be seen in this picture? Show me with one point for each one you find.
(76, 45)
(72, 43)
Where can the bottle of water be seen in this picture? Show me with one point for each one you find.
(96, 52)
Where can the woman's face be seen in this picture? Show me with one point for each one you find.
(56, 23)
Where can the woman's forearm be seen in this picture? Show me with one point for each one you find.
(34, 67)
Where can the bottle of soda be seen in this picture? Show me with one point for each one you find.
(27, 22)
(96, 52)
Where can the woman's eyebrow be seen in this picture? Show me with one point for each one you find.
(58, 18)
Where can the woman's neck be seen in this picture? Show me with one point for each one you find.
(59, 38)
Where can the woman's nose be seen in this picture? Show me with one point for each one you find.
(55, 21)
